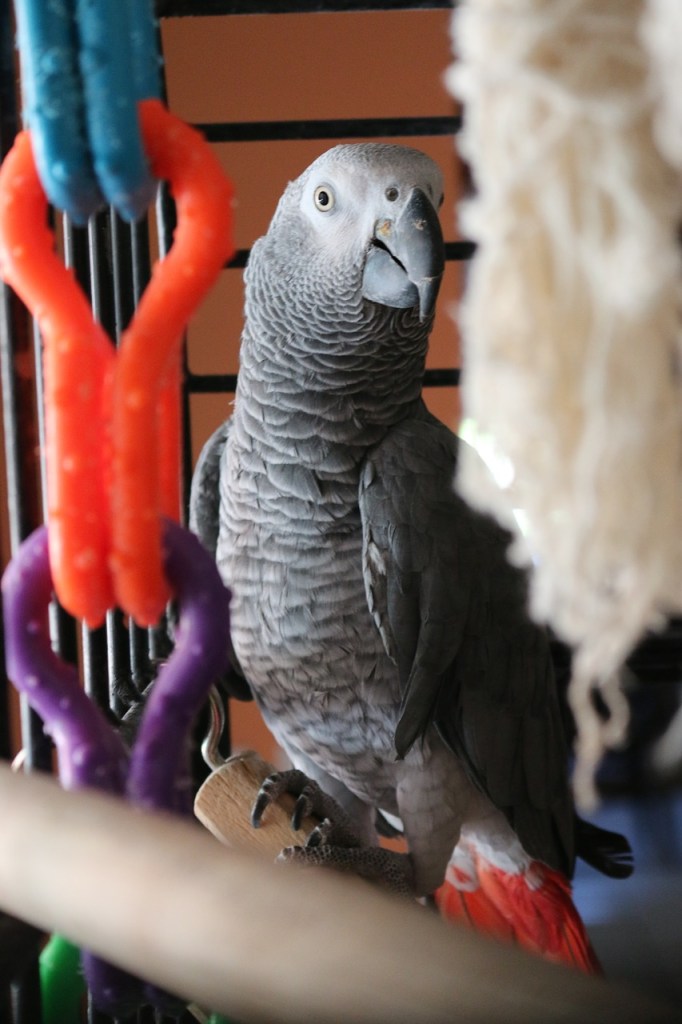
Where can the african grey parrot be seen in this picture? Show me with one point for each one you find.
(374, 615)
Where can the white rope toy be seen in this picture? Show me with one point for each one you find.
(570, 321)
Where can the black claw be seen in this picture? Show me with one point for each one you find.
(314, 839)
(319, 835)
(267, 794)
(301, 809)
(262, 801)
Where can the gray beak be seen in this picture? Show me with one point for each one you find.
(406, 258)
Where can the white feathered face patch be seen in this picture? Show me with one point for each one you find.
(373, 207)
(350, 188)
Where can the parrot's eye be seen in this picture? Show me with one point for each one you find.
(324, 198)
(392, 194)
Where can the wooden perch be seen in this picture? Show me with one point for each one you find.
(263, 943)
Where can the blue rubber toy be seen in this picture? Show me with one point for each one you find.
(85, 65)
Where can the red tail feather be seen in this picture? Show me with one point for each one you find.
(532, 907)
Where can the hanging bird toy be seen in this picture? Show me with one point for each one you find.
(97, 132)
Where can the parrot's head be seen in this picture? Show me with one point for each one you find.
(363, 219)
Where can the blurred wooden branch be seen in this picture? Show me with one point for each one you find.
(263, 943)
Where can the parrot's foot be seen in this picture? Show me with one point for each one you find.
(389, 870)
(335, 842)
(336, 826)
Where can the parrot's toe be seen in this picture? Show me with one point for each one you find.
(321, 835)
(305, 804)
(293, 782)
(338, 831)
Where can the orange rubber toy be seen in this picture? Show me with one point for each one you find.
(112, 418)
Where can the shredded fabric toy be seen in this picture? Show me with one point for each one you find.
(571, 324)
(662, 34)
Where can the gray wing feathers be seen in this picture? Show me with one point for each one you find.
(406, 505)
(204, 500)
(452, 613)
(204, 521)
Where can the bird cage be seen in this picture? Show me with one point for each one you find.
(270, 85)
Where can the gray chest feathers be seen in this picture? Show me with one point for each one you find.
(301, 627)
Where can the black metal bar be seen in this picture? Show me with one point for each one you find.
(20, 944)
(17, 369)
(122, 275)
(459, 252)
(37, 746)
(140, 666)
(165, 213)
(210, 383)
(6, 1012)
(63, 633)
(200, 8)
(141, 257)
(94, 274)
(95, 1016)
(96, 665)
(238, 261)
(362, 128)
(26, 1002)
(118, 663)
(9, 114)
(77, 250)
(447, 378)
(160, 643)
